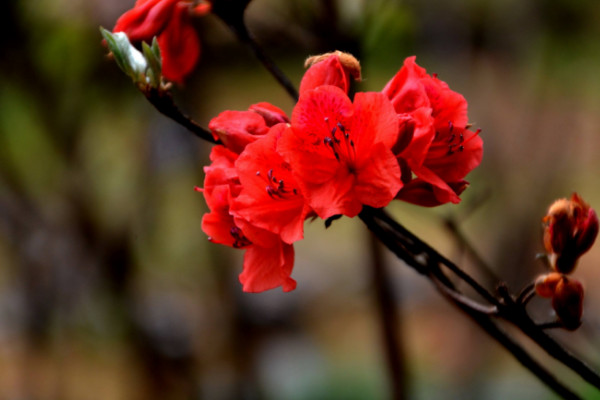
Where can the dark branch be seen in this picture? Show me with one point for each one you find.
(245, 37)
(163, 101)
(426, 261)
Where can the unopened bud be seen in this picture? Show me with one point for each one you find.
(567, 302)
(545, 285)
(348, 61)
(333, 68)
(145, 69)
(570, 229)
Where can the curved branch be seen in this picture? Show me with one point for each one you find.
(520, 354)
(419, 248)
(162, 100)
(426, 260)
(517, 315)
(245, 37)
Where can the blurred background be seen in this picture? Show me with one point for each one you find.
(110, 290)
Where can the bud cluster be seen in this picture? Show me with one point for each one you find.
(570, 229)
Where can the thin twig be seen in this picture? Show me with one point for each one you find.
(162, 100)
(526, 294)
(460, 298)
(520, 354)
(245, 37)
(452, 226)
(517, 315)
(420, 247)
(551, 325)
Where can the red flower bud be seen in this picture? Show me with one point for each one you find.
(334, 68)
(570, 228)
(545, 285)
(567, 302)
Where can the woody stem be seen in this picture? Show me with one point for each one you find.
(246, 37)
(163, 102)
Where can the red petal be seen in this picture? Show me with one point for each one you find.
(405, 89)
(430, 190)
(375, 119)
(421, 122)
(456, 164)
(271, 114)
(236, 129)
(179, 45)
(379, 181)
(268, 268)
(270, 197)
(335, 196)
(146, 20)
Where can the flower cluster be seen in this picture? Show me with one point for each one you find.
(570, 229)
(332, 157)
(171, 22)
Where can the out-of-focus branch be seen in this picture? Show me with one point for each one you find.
(389, 317)
(231, 12)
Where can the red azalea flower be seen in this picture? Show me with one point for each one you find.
(270, 198)
(171, 22)
(340, 151)
(268, 260)
(434, 143)
(236, 129)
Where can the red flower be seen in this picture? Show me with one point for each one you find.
(571, 227)
(270, 198)
(268, 260)
(340, 151)
(171, 22)
(236, 129)
(434, 143)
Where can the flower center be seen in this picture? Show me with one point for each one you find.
(340, 143)
(454, 142)
(275, 187)
(239, 239)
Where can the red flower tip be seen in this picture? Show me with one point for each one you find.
(334, 69)
(171, 22)
(202, 8)
(570, 229)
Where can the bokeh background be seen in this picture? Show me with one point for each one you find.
(110, 290)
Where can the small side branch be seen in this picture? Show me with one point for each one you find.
(163, 101)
